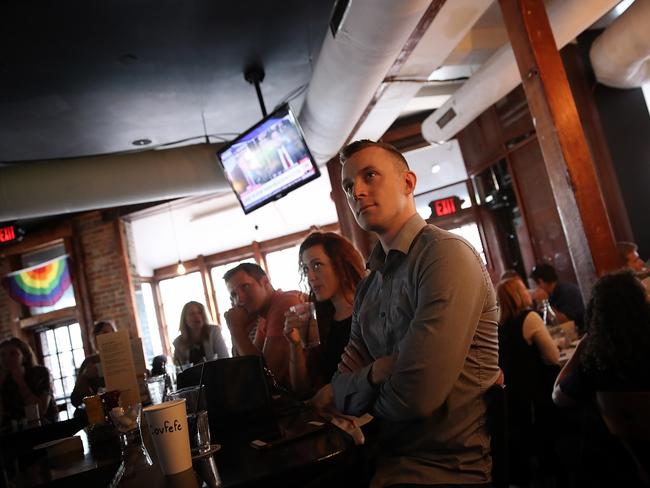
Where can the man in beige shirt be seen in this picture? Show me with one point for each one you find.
(423, 347)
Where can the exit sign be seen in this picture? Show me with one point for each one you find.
(445, 206)
(10, 234)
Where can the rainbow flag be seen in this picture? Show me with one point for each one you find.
(40, 285)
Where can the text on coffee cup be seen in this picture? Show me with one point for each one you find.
(167, 427)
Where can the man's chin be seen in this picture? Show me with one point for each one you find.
(367, 225)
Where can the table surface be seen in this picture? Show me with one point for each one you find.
(238, 463)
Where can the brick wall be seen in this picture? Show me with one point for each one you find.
(104, 270)
(5, 314)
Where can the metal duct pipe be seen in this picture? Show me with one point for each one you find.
(71, 185)
(620, 56)
(351, 66)
(499, 74)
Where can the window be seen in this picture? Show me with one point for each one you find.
(284, 270)
(41, 256)
(148, 322)
(63, 354)
(223, 297)
(175, 293)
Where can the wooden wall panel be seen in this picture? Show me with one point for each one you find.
(536, 201)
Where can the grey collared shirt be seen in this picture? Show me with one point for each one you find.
(431, 302)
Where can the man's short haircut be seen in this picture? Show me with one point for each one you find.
(544, 272)
(624, 249)
(251, 269)
(356, 146)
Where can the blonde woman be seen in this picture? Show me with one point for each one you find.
(199, 340)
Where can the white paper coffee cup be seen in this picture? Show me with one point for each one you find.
(168, 429)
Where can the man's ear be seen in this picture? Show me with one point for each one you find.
(410, 180)
(265, 282)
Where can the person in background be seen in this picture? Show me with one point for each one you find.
(257, 304)
(90, 377)
(565, 298)
(628, 253)
(526, 349)
(332, 268)
(423, 344)
(159, 367)
(611, 357)
(198, 340)
(23, 382)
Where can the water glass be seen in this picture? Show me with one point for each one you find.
(197, 417)
(156, 387)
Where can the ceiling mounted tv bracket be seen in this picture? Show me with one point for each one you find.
(254, 74)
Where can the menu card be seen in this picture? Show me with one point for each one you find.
(118, 364)
(140, 368)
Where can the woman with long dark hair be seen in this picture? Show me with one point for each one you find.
(199, 340)
(611, 362)
(332, 268)
(23, 382)
(90, 377)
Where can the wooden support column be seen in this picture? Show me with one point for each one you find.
(362, 240)
(561, 137)
(259, 257)
(208, 287)
(129, 289)
(160, 317)
(80, 287)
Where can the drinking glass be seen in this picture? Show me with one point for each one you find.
(309, 334)
(156, 387)
(197, 417)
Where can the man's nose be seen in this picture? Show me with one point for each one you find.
(358, 191)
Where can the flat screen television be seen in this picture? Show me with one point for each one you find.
(268, 160)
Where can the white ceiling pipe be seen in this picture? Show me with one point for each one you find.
(499, 75)
(351, 66)
(620, 56)
(449, 27)
(56, 187)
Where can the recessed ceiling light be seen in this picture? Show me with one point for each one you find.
(435, 168)
(141, 142)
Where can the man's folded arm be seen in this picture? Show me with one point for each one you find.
(451, 291)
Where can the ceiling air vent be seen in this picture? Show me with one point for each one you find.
(446, 118)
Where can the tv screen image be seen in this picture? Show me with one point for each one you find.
(268, 160)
